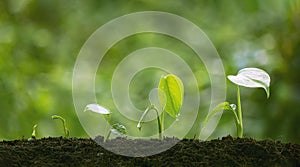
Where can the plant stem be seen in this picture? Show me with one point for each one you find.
(162, 118)
(151, 107)
(66, 130)
(107, 136)
(239, 114)
(159, 123)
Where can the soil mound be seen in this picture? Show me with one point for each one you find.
(227, 151)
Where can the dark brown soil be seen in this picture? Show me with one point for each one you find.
(86, 152)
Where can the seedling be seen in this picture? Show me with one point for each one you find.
(247, 77)
(149, 108)
(170, 95)
(33, 134)
(66, 130)
(116, 128)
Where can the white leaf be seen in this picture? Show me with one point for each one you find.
(97, 108)
(252, 78)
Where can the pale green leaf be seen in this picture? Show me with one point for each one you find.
(171, 94)
(225, 106)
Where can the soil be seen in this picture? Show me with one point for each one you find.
(227, 151)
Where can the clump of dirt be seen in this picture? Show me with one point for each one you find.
(227, 151)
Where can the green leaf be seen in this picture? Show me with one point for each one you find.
(225, 106)
(171, 94)
(118, 129)
(252, 78)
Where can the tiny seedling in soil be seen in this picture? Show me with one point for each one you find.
(116, 128)
(247, 77)
(66, 130)
(170, 95)
(33, 134)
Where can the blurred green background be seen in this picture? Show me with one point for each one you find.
(40, 40)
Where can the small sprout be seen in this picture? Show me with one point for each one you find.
(116, 128)
(33, 134)
(149, 108)
(66, 130)
(170, 95)
(247, 77)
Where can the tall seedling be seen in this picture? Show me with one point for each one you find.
(170, 95)
(247, 77)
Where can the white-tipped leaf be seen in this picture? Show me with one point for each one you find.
(97, 109)
(252, 78)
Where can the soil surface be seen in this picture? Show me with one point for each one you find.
(227, 151)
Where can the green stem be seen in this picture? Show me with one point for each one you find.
(151, 107)
(107, 136)
(162, 122)
(66, 130)
(159, 123)
(239, 114)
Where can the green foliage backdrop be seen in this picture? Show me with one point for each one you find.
(40, 39)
